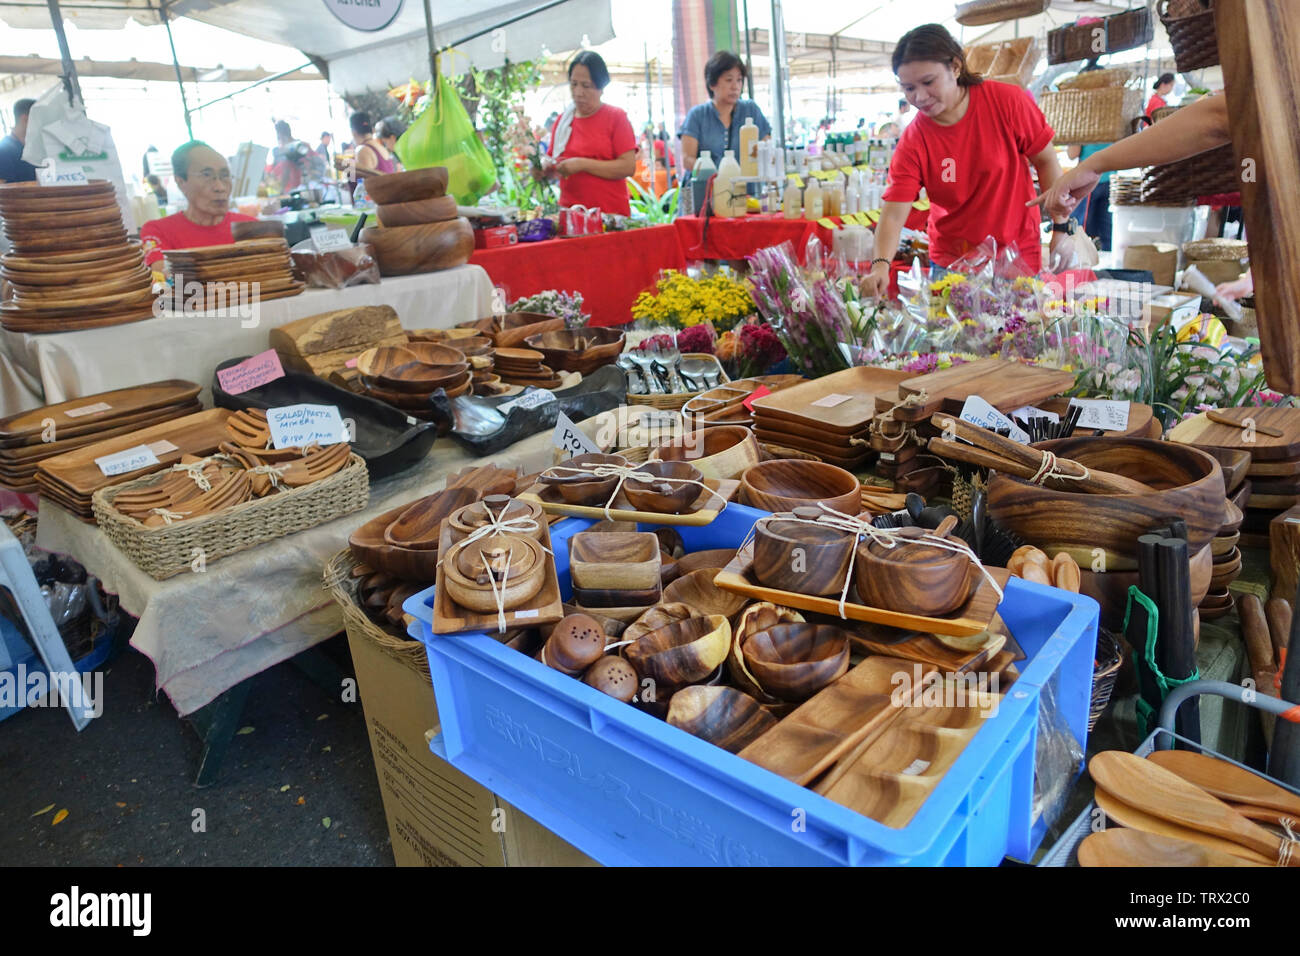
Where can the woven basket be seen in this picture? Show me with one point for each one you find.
(1129, 30)
(1096, 80)
(976, 13)
(1106, 667)
(1114, 34)
(342, 586)
(169, 550)
(1226, 250)
(1163, 113)
(1007, 61)
(1091, 116)
(1207, 174)
(1190, 25)
(675, 402)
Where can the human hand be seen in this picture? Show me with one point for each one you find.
(567, 167)
(876, 283)
(1067, 192)
(1236, 289)
(1061, 252)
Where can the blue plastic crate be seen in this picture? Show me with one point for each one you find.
(626, 788)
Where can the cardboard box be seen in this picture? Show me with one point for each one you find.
(1158, 258)
(1220, 270)
(437, 816)
(496, 237)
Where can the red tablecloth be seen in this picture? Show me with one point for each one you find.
(742, 236)
(610, 270)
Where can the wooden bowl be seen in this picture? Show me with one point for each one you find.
(409, 564)
(1222, 545)
(1187, 484)
(597, 598)
(723, 716)
(722, 453)
(715, 558)
(681, 653)
(463, 567)
(698, 591)
(664, 497)
(578, 350)
(411, 186)
(653, 618)
(785, 484)
(416, 212)
(513, 328)
(422, 379)
(468, 519)
(258, 229)
(794, 661)
(436, 353)
(382, 359)
(802, 558)
(584, 489)
(912, 577)
(405, 250)
(758, 617)
(1110, 588)
(614, 560)
(419, 525)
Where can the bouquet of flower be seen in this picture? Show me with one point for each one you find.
(682, 301)
(808, 314)
(562, 305)
(750, 349)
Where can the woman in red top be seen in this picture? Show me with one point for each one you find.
(593, 148)
(970, 147)
(1164, 86)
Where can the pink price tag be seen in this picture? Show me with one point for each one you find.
(351, 363)
(251, 373)
(755, 395)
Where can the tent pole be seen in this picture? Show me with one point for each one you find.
(433, 50)
(180, 82)
(749, 60)
(70, 81)
(776, 48)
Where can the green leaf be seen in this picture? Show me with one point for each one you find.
(325, 822)
(284, 788)
(43, 811)
(244, 730)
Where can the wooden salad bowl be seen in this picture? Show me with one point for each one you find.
(800, 557)
(785, 484)
(410, 186)
(406, 250)
(722, 452)
(577, 350)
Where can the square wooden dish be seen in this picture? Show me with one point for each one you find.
(849, 398)
(545, 607)
(971, 618)
(706, 506)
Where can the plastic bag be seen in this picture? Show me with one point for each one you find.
(444, 135)
(1058, 760)
(336, 269)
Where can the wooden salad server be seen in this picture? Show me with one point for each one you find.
(1226, 781)
(1135, 819)
(1121, 846)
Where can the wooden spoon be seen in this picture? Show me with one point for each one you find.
(1124, 847)
(1144, 783)
(1226, 781)
(1129, 816)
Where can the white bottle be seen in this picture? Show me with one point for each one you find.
(812, 201)
(725, 186)
(749, 148)
(791, 203)
(852, 203)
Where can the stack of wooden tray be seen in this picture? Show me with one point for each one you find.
(71, 265)
(71, 479)
(828, 417)
(265, 262)
(28, 438)
(518, 366)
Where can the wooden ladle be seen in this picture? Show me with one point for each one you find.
(1121, 846)
(1226, 781)
(1133, 818)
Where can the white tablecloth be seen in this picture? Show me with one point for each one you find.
(206, 632)
(40, 370)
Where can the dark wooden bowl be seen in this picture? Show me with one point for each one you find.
(416, 212)
(786, 484)
(682, 652)
(716, 558)
(411, 186)
(723, 716)
(468, 519)
(513, 328)
(578, 350)
(698, 591)
(383, 359)
(612, 597)
(419, 378)
(419, 525)
(724, 452)
(578, 489)
(436, 353)
(794, 661)
(409, 564)
(405, 250)
(915, 578)
(258, 229)
(1110, 588)
(801, 558)
(1188, 484)
(664, 497)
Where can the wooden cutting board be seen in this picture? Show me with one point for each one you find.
(1199, 430)
(843, 402)
(323, 343)
(1003, 384)
(248, 247)
(121, 402)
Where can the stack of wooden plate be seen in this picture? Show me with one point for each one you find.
(262, 261)
(29, 438)
(70, 266)
(524, 367)
(407, 376)
(72, 478)
(828, 417)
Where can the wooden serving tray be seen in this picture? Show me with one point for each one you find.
(28, 455)
(929, 650)
(724, 404)
(122, 402)
(1003, 384)
(796, 405)
(971, 618)
(1199, 430)
(549, 498)
(545, 607)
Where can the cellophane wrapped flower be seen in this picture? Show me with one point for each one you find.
(697, 338)
(809, 316)
(562, 305)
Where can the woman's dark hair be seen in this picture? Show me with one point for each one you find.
(722, 62)
(389, 126)
(1164, 78)
(933, 43)
(595, 66)
(360, 123)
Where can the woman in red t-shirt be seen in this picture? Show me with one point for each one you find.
(593, 148)
(1164, 86)
(970, 147)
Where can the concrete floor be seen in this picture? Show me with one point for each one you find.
(127, 780)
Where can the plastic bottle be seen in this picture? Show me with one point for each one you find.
(749, 148)
(700, 174)
(724, 188)
(791, 203)
(852, 199)
(812, 201)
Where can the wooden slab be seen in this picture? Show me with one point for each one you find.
(28, 455)
(839, 717)
(544, 608)
(1199, 430)
(1285, 468)
(1003, 384)
(706, 506)
(971, 618)
(121, 402)
(797, 405)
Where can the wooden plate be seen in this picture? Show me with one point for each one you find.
(81, 243)
(107, 213)
(1199, 430)
(247, 247)
(704, 509)
(70, 206)
(39, 293)
(42, 326)
(109, 253)
(840, 403)
(95, 187)
(28, 456)
(70, 306)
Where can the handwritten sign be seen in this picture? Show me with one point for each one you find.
(251, 373)
(537, 397)
(132, 459)
(88, 410)
(330, 240)
(55, 174)
(293, 426)
(570, 437)
(979, 412)
(1109, 416)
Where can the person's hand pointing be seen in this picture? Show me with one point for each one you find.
(1067, 192)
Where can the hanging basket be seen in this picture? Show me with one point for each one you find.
(1113, 34)
(1211, 173)
(1096, 80)
(1091, 116)
(1190, 25)
(1006, 61)
(976, 13)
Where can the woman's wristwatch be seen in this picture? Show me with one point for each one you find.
(1069, 227)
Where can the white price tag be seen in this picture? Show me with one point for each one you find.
(330, 240)
(88, 409)
(54, 174)
(533, 399)
(1108, 415)
(1026, 412)
(132, 459)
(830, 401)
(981, 413)
(293, 426)
(570, 437)
(523, 615)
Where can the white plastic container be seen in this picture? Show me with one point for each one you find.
(724, 187)
(749, 148)
(1142, 225)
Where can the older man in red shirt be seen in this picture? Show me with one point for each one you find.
(203, 175)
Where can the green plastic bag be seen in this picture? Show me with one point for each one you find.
(444, 135)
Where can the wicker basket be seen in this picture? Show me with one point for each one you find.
(1096, 80)
(1163, 113)
(976, 13)
(1211, 173)
(1190, 25)
(1091, 116)
(1114, 34)
(342, 586)
(1105, 671)
(1225, 250)
(675, 402)
(1007, 61)
(169, 550)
